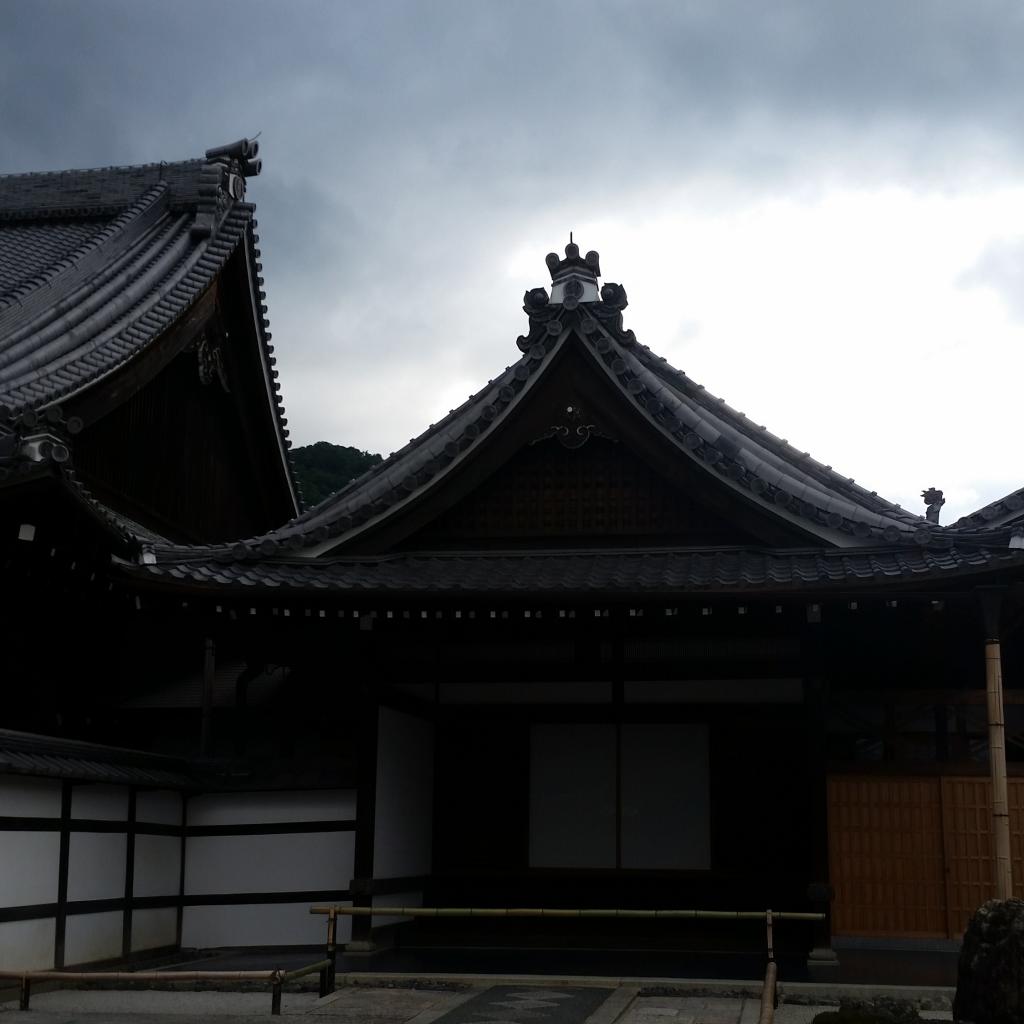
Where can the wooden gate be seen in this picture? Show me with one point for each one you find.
(911, 857)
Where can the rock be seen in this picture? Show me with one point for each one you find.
(990, 974)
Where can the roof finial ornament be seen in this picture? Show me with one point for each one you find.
(934, 500)
(575, 277)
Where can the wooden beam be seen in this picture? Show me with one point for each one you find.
(991, 599)
(209, 668)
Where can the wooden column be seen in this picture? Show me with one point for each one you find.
(822, 961)
(366, 814)
(60, 924)
(991, 600)
(129, 873)
(209, 667)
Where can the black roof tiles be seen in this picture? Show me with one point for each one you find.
(651, 572)
(26, 249)
(763, 467)
(863, 537)
(50, 757)
(95, 265)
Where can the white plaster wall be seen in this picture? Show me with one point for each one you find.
(259, 808)
(269, 863)
(108, 803)
(713, 691)
(264, 863)
(29, 798)
(154, 928)
(90, 937)
(256, 925)
(27, 945)
(403, 831)
(160, 807)
(556, 692)
(157, 865)
(29, 865)
(96, 866)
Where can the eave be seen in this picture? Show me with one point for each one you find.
(659, 573)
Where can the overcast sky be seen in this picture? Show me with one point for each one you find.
(817, 208)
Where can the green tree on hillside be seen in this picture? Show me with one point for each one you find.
(323, 468)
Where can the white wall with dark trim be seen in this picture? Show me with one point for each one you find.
(245, 855)
(263, 858)
(29, 869)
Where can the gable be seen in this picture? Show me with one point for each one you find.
(185, 452)
(550, 494)
(577, 465)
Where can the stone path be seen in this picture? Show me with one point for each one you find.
(541, 1003)
(513, 1004)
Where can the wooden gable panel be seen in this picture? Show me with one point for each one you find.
(601, 491)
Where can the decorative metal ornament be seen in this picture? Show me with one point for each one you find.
(573, 431)
(211, 363)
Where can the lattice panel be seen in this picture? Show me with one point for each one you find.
(885, 856)
(913, 856)
(967, 812)
(597, 490)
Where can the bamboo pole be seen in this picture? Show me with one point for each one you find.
(771, 974)
(123, 976)
(707, 915)
(276, 977)
(997, 769)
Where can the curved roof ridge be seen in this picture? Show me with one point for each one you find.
(415, 444)
(771, 465)
(740, 422)
(427, 458)
(994, 515)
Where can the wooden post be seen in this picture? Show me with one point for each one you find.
(822, 961)
(361, 940)
(209, 666)
(26, 992)
(332, 952)
(991, 599)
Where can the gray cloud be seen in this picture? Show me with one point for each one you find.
(406, 143)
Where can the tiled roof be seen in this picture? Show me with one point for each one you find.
(662, 571)
(761, 467)
(95, 265)
(996, 514)
(28, 249)
(51, 757)
(158, 273)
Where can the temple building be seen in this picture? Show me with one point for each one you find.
(594, 639)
